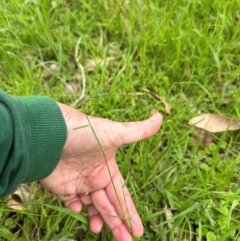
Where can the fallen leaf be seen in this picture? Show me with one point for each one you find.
(162, 99)
(115, 53)
(226, 101)
(21, 198)
(71, 88)
(54, 67)
(90, 64)
(49, 71)
(202, 137)
(78, 77)
(215, 123)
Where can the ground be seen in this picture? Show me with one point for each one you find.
(180, 58)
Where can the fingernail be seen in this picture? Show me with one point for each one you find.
(156, 116)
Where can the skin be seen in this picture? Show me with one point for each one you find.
(83, 169)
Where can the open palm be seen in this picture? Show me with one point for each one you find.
(83, 170)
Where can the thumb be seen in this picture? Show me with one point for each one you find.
(136, 131)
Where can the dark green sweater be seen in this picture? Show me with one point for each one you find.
(32, 136)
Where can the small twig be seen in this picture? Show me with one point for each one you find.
(82, 72)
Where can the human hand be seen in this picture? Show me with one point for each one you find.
(83, 169)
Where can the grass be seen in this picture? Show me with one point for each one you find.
(185, 51)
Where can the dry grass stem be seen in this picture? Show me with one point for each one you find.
(166, 105)
(82, 72)
(169, 215)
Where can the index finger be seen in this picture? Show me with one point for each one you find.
(108, 213)
(124, 206)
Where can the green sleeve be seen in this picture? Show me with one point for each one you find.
(32, 136)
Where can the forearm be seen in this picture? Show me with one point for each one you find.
(32, 136)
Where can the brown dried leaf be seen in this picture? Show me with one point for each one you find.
(49, 72)
(21, 198)
(162, 99)
(71, 88)
(202, 137)
(55, 67)
(90, 64)
(215, 123)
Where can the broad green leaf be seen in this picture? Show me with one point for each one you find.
(211, 236)
(234, 205)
